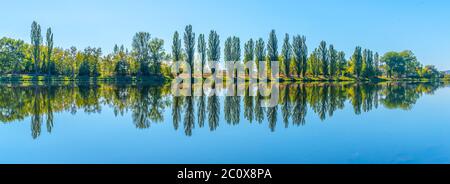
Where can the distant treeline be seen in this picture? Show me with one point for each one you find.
(147, 56)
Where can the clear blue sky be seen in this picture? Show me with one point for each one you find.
(422, 26)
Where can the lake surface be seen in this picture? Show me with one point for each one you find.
(140, 123)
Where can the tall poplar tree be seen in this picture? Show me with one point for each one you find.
(286, 54)
(189, 45)
(333, 57)
(213, 50)
(272, 46)
(357, 62)
(49, 39)
(342, 63)
(260, 52)
(323, 57)
(249, 52)
(300, 52)
(201, 49)
(36, 40)
(227, 53)
(176, 47)
(376, 60)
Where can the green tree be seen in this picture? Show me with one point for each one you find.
(177, 53)
(356, 62)
(213, 50)
(376, 60)
(395, 64)
(300, 52)
(122, 66)
(249, 52)
(314, 63)
(272, 46)
(249, 49)
(12, 55)
(189, 45)
(156, 55)
(36, 40)
(142, 51)
(49, 39)
(411, 62)
(333, 57)
(227, 53)
(286, 54)
(72, 59)
(236, 52)
(342, 63)
(201, 49)
(323, 57)
(260, 52)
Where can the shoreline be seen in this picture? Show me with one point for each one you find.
(166, 79)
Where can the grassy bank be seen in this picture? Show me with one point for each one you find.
(43, 78)
(165, 79)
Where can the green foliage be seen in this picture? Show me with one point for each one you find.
(323, 57)
(300, 51)
(177, 53)
(36, 40)
(395, 64)
(227, 53)
(342, 64)
(236, 49)
(429, 71)
(201, 49)
(272, 46)
(50, 65)
(314, 63)
(368, 68)
(249, 51)
(260, 52)
(147, 56)
(213, 50)
(189, 45)
(357, 62)
(84, 69)
(333, 57)
(142, 51)
(156, 55)
(286, 54)
(12, 55)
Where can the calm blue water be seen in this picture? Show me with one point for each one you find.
(419, 133)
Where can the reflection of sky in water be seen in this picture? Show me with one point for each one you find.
(419, 135)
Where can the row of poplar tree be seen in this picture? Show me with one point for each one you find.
(147, 57)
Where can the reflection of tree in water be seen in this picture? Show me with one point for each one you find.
(286, 105)
(399, 95)
(300, 105)
(49, 96)
(36, 119)
(177, 102)
(141, 109)
(213, 110)
(232, 109)
(248, 105)
(149, 107)
(148, 103)
(189, 115)
(259, 110)
(201, 110)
